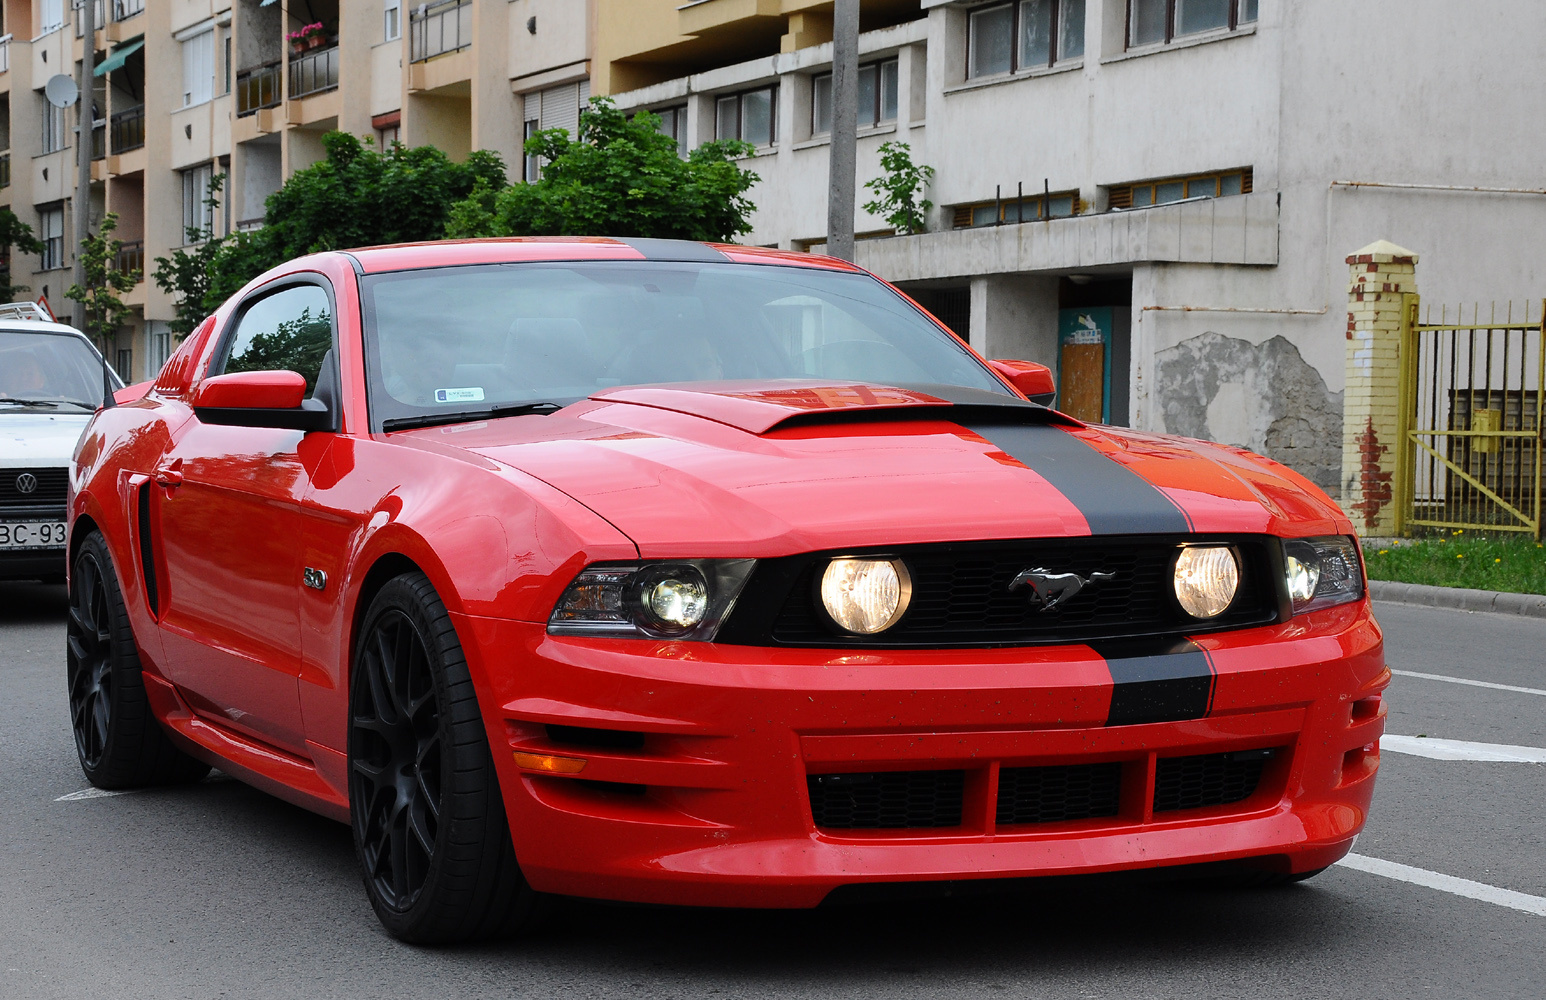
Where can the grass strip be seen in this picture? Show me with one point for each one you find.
(1460, 559)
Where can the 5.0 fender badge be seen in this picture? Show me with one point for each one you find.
(1049, 589)
(314, 578)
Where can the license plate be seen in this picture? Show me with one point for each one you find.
(31, 534)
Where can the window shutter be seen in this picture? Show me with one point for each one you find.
(963, 217)
(561, 108)
(1245, 182)
(1120, 197)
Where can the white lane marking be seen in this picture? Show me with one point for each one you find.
(94, 793)
(1435, 749)
(1447, 883)
(1467, 680)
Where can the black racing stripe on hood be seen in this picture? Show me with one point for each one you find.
(1166, 681)
(679, 250)
(1114, 499)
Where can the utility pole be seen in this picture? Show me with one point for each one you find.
(84, 118)
(845, 122)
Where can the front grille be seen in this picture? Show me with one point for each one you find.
(1058, 793)
(961, 595)
(50, 491)
(890, 800)
(1213, 779)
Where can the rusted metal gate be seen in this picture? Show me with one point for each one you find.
(1472, 401)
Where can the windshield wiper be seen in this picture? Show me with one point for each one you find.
(19, 401)
(503, 410)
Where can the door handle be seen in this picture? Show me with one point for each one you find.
(169, 477)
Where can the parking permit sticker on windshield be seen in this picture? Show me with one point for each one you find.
(469, 395)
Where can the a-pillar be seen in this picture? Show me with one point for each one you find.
(1382, 282)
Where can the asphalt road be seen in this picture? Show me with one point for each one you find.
(218, 890)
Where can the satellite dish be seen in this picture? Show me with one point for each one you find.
(61, 90)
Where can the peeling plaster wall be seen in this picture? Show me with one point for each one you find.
(1264, 397)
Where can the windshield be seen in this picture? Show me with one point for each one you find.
(49, 370)
(470, 339)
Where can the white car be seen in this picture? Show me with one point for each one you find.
(51, 381)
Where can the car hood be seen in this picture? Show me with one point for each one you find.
(36, 438)
(756, 470)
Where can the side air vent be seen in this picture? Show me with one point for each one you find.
(148, 552)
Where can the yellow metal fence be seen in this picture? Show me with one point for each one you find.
(1472, 397)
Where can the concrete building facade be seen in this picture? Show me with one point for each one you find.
(1156, 197)
(187, 90)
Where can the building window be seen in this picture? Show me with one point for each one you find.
(225, 59)
(747, 116)
(556, 107)
(673, 122)
(385, 137)
(1011, 211)
(125, 366)
(56, 126)
(51, 14)
(199, 68)
(393, 18)
(1156, 22)
(51, 235)
(159, 344)
(1028, 34)
(531, 168)
(1162, 192)
(198, 213)
(877, 97)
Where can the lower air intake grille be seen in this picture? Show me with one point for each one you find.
(1056, 794)
(889, 800)
(1213, 779)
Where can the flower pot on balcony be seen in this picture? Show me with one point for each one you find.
(298, 46)
(314, 41)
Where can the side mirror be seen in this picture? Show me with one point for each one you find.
(260, 399)
(1032, 379)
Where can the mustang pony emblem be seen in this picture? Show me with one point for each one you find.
(1050, 589)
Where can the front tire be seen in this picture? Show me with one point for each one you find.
(118, 741)
(424, 800)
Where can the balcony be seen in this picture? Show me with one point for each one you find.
(99, 15)
(125, 9)
(128, 129)
(131, 257)
(257, 88)
(5, 169)
(99, 139)
(438, 28)
(313, 72)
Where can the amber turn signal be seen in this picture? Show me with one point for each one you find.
(550, 763)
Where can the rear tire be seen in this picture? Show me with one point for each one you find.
(424, 799)
(117, 738)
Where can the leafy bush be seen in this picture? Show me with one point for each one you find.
(900, 190)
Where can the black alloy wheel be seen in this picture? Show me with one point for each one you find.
(119, 742)
(429, 821)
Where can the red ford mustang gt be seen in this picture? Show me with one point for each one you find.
(665, 572)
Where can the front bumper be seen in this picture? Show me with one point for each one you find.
(709, 803)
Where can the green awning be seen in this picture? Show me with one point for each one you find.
(119, 57)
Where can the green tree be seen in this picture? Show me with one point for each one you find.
(14, 235)
(355, 196)
(105, 311)
(620, 177)
(296, 345)
(900, 189)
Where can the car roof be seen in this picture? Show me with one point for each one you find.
(520, 249)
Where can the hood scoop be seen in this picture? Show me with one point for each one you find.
(761, 406)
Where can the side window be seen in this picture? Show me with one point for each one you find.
(291, 330)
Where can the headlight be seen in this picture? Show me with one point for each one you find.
(680, 599)
(1206, 579)
(1322, 572)
(866, 596)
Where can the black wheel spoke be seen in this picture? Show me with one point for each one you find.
(89, 653)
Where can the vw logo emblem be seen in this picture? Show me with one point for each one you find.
(26, 482)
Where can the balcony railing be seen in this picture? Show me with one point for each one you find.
(99, 139)
(313, 72)
(5, 169)
(5, 54)
(257, 88)
(131, 257)
(125, 9)
(128, 129)
(438, 28)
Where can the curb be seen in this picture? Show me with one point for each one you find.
(1531, 605)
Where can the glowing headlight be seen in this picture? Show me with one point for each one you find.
(682, 599)
(1207, 577)
(1322, 572)
(866, 596)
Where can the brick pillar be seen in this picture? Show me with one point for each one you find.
(1381, 277)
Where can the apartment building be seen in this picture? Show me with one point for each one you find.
(189, 89)
(1154, 196)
